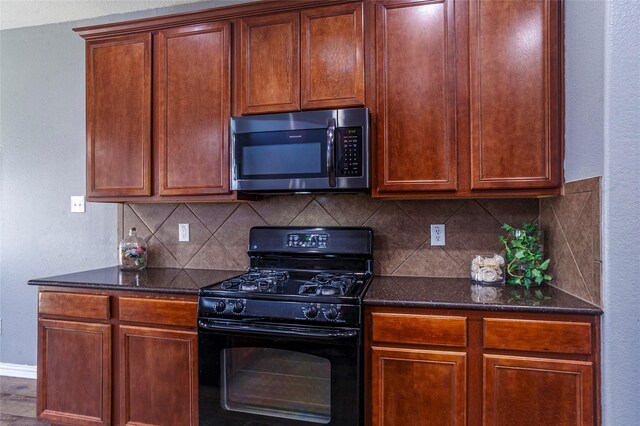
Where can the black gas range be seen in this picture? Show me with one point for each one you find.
(282, 343)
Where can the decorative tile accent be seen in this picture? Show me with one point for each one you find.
(401, 229)
(572, 230)
(132, 220)
(182, 251)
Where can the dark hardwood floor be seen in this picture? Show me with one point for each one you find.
(18, 402)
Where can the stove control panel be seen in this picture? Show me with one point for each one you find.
(308, 240)
(266, 309)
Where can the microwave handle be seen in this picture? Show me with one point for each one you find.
(331, 160)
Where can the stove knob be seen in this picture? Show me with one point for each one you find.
(331, 313)
(311, 313)
(238, 307)
(221, 306)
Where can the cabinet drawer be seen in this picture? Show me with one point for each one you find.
(419, 329)
(537, 336)
(94, 306)
(180, 313)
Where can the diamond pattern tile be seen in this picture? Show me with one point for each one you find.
(159, 256)
(471, 231)
(396, 236)
(212, 215)
(427, 212)
(314, 215)
(568, 207)
(281, 210)
(430, 261)
(168, 235)
(514, 212)
(349, 210)
(213, 255)
(153, 215)
(132, 220)
(234, 233)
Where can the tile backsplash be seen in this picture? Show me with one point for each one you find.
(220, 231)
(572, 230)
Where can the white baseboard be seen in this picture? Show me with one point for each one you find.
(17, 370)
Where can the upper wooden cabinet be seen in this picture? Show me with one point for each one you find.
(415, 44)
(312, 59)
(193, 106)
(119, 116)
(469, 98)
(515, 94)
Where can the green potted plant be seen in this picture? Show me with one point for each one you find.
(524, 258)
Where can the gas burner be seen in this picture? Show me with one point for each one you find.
(259, 281)
(325, 284)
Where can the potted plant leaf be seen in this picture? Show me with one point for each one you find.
(525, 264)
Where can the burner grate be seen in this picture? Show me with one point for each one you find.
(325, 284)
(257, 281)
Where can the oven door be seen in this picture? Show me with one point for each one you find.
(255, 373)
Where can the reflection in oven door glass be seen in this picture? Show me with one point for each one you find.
(277, 383)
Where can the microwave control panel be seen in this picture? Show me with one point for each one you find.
(349, 151)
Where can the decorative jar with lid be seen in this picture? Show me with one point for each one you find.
(133, 252)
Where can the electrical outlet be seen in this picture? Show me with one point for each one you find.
(77, 204)
(183, 232)
(437, 235)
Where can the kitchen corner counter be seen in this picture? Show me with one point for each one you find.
(157, 280)
(459, 293)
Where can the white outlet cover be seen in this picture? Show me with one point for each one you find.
(437, 235)
(183, 232)
(77, 204)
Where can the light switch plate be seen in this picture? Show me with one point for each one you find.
(183, 232)
(437, 235)
(77, 204)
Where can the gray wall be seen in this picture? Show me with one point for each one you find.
(42, 134)
(602, 88)
(621, 230)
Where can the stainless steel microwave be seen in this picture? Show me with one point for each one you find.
(301, 151)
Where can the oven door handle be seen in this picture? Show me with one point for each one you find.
(331, 152)
(277, 330)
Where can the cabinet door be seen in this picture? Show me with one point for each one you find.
(193, 109)
(270, 63)
(332, 58)
(417, 387)
(74, 372)
(119, 116)
(158, 376)
(536, 391)
(416, 91)
(515, 94)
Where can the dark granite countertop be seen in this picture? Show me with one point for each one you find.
(459, 293)
(158, 280)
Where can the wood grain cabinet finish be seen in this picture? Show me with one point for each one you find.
(74, 372)
(418, 387)
(332, 57)
(270, 63)
(416, 96)
(193, 109)
(515, 94)
(537, 391)
(119, 116)
(419, 329)
(89, 306)
(159, 377)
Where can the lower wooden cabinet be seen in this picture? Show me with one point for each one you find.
(117, 358)
(416, 387)
(504, 369)
(537, 391)
(74, 372)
